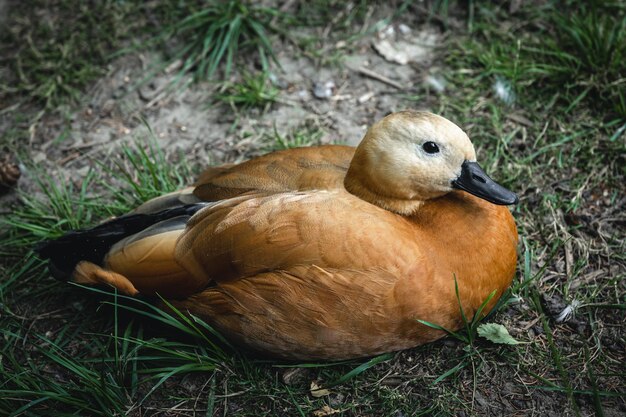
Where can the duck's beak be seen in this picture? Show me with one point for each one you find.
(474, 180)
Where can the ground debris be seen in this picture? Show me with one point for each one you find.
(292, 376)
(324, 90)
(9, 174)
(325, 411)
(562, 312)
(404, 45)
(317, 391)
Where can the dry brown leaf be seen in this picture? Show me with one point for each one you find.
(325, 411)
(518, 118)
(293, 375)
(9, 174)
(318, 391)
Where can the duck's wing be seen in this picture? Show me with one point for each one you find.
(317, 167)
(251, 234)
(318, 274)
(244, 236)
(146, 256)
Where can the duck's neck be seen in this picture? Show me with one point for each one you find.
(360, 183)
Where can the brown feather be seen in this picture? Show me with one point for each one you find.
(366, 292)
(320, 167)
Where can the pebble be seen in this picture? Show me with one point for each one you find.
(323, 90)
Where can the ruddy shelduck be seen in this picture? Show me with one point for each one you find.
(327, 252)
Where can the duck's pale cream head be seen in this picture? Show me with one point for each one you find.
(409, 157)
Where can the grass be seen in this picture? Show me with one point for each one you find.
(101, 386)
(561, 154)
(468, 337)
(324, 36)
(54, 49)
(98, 386)
(61, 206)
(213, 33)
(574, 55)
(252, 91)
(306, 135)
(560, 144)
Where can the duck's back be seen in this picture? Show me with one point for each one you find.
(312, 168)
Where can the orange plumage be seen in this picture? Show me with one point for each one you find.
(328, 252)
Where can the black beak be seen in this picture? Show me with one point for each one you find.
(474, 180)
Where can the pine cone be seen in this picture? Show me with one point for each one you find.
(9, 174)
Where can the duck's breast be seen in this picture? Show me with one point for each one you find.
(472, 241)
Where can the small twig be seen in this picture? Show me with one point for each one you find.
(68, 158)
(234, 394)
(9, 109)
(531, 323)
(80, 146)
(518, 118)
(341, 97)
(379, 77)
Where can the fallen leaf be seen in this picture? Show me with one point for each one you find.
(417, 48)
(9, 174)
(292, 375)
(496, 333)
(325, 411)
(318, 391)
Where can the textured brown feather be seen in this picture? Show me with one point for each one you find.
(320, 167)
(331, 288)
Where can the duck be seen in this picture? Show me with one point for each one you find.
(319, 253)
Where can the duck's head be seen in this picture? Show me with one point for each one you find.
(410, 157)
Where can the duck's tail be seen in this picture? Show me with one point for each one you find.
(92, 245)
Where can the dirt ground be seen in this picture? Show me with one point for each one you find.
(190, 122)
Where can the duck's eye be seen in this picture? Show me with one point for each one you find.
(430, 147)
